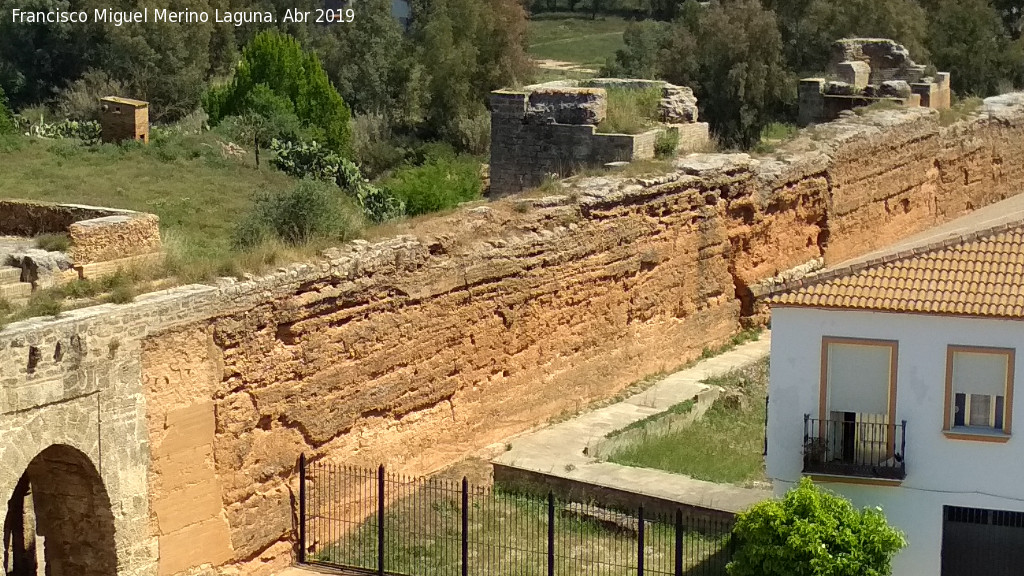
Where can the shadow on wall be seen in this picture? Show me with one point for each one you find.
(59, 520)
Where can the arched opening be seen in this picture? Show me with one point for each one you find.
(59, 521)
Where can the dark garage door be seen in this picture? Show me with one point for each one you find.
(978, 542)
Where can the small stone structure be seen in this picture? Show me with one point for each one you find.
(868, 70)
(551, 129)
(102, 240)
(124, 119)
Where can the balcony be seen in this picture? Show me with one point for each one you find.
(855, 449)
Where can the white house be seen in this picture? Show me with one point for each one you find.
(893, 381)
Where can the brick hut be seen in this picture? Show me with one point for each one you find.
(124, 119)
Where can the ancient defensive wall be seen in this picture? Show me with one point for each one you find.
(185, 411)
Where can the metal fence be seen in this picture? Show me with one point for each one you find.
(855, 448)
(374, 521)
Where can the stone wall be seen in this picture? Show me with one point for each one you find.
(102, 239)
(869, 70)
(550, 130)
(422, 348)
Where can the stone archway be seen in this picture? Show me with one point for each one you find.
(59, 521)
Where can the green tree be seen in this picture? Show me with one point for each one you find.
(463, 50)
(639, 57)
(968, 39)
(809, 27)
(296, 78)
(813, 532)
(730, 53)
(39, 60)
(368, 59)
(7, 125)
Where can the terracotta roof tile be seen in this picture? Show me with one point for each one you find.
(980, 274)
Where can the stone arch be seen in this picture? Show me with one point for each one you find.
(59, 520)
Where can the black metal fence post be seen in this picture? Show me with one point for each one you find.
(465, 526)
(380, 520)
(302, 508)
(551, 534)
(640, 541)
(679, 543)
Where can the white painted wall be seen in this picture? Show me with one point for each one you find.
(940, 471)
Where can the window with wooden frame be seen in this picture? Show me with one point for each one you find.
(979, 393)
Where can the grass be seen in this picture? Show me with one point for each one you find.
(507, 535)
(576, 39)
(53, 242)
(959, 110)
(684, 407)
(197, 193)
(630, 111)
(725, 445)
(775, 134)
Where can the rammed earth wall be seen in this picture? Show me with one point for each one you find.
(422, 348)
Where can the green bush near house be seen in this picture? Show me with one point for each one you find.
(813, 532)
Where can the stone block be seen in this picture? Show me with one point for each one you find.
(568, 106)
(854, 72)
(111, 237)
(208, 542)
(894, 89)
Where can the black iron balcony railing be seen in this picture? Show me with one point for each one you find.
(852, 448)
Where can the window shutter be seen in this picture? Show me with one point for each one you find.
(979, 373)
(858, 378)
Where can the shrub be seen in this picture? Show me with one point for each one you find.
(373, 145)
(313, 161)
(437, 185)
(666, 144)
(277, 77)
(308, 211)
(7, 124)
(812, 531)
(88, 131)
(630, 111)
(81, 100)
(53, 242)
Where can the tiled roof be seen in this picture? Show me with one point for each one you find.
(980, 274)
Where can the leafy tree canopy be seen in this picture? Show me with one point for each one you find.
(275, 74)
(813, 532)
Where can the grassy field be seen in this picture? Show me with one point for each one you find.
(507, 536)
(576, 39)
(197, 191)
(725, 445)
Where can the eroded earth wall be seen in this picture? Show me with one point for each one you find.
(422, 348)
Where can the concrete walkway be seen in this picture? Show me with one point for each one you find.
(558, 450)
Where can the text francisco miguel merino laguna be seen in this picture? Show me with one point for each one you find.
(118, 17)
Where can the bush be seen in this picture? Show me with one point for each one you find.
(315, 162)
(438, 185)
(81, 100)
(373, 144)
(53, 242)
(7, 124)
(310, 210)
(812, 531)
(666, 144)
(277, 77)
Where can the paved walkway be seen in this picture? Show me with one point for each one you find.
(558, 450)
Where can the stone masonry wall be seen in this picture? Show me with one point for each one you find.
(420, 349)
